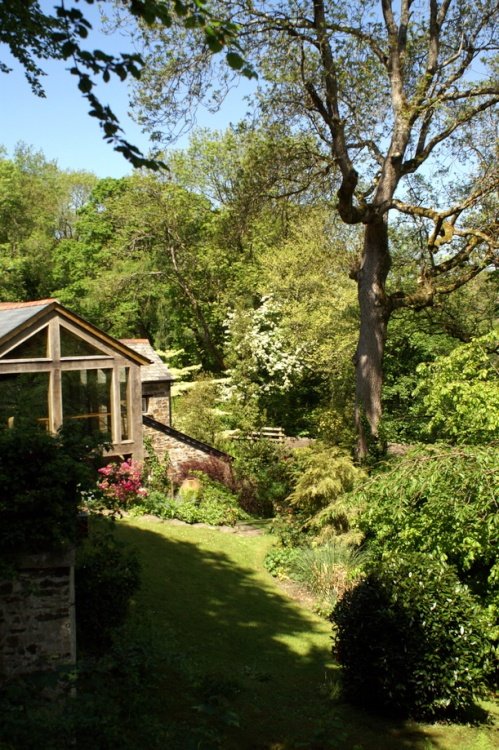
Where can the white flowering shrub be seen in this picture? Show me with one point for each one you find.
(260, 350)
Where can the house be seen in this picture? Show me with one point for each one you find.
(56, 367)
(165, 440)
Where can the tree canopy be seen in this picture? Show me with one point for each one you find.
(390, 94)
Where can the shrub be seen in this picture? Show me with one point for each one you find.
(154, 503)
(410, 639)
(439, 500)
(158, 472)
(41, 480)
(458, 394)
(121, 485)
(264, 475)
(327, 571)
(211, 466)
(279, 561)
(327, 474)
(107, 574)
(288, 528)
(213, 504)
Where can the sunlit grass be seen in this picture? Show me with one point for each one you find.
(238, 629)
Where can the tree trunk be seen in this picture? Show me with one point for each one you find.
(374, 314)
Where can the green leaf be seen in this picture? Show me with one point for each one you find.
(235, 60)
(85, 84)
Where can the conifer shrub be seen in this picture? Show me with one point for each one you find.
(328, 472)
(412, 640)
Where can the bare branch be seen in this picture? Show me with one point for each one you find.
(423, 150)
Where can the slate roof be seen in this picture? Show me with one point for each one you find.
(157, 371)
(14, 316)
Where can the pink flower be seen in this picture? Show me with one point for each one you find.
(122, 482)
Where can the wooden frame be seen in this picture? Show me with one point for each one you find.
(115, 356)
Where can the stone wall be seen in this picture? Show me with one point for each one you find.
(37, 619)
(158, 401)
(177, 451)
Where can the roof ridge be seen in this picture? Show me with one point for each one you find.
(33, 303)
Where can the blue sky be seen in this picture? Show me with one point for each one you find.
(59, 124)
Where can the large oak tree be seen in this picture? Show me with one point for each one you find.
(400, 98)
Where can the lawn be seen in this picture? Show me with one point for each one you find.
(264, 656)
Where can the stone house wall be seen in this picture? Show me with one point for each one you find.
(177, 451)
(158, 401)
(37, 618)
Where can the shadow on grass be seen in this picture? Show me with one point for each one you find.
(268, 658)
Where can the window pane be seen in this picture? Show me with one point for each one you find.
(124, 402)
(33, 348)
(24, 398)
(86, 397)
(74, 346)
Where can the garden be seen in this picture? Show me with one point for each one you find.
(286, 599)
(325, 268)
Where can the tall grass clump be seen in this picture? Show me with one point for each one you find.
(328, 571)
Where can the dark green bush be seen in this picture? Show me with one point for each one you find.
(411, 640)
(41, 480)
(107, 575)
(440, 500)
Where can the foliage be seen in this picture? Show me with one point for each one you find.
(263, 472)
(458, 394)
(257, 338)
(32, 34)
(41, 480)
(411, 639)
(287, 527)
(279, 560)
(121, 484)
(157, 472)
(292, 350)
(328, 570)
(442, 501)
(216, 469)
(38, 207)
(155, 263)
(213, 504)
(327, 474)
(107, 574)
(413, 339)
(197, 411)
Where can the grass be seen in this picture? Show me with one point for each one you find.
(265, 658)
